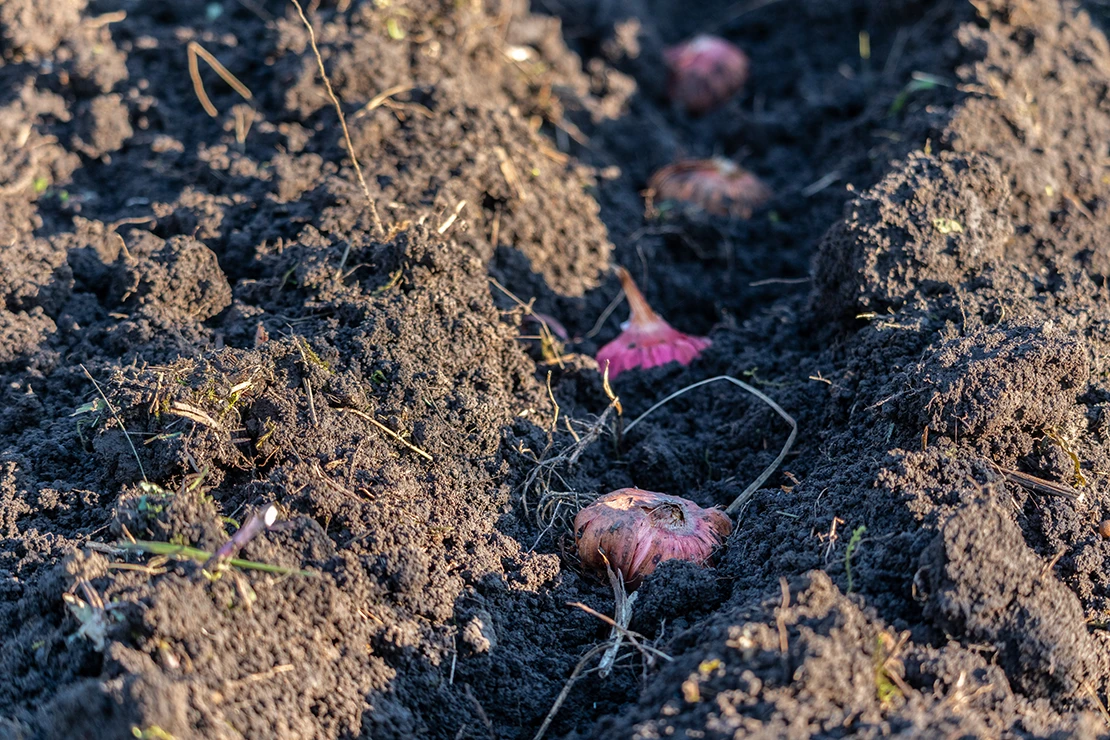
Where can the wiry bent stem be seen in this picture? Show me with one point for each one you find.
(748, 492)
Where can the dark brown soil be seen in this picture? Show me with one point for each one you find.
(927, 293)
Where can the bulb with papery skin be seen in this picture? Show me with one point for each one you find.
(636, 530)
(705, 72)
(646, 340)
(717, 186)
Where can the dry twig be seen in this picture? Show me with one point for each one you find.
(387, 430)
(562, 697)
(1038, 485)
(748, 492)
(195, 50)
(378, 228)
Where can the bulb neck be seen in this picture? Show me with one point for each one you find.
(641, 313)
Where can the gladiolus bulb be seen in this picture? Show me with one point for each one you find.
(646, 340)
(717, 186)
(705, 72)
(635, 530)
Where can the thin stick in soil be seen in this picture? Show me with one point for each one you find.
(605, 315)
(562, 697)
(547, 337)
(748, 492)
(622, 617)
(119, 421)
(195, 50)
(1038, 485)
(650, 653)
(607, 649)
(378, 228)
(388, 431)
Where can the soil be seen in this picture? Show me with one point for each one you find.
(200, 314)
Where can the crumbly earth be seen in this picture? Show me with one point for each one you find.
(201, 314)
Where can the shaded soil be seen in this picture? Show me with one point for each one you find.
(200, 315)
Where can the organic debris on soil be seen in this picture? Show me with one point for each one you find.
(199, 317)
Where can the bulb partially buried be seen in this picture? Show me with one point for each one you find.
(646, 340)
(718, 186)
(636, 530)
(705, 72)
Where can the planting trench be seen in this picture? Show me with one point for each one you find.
(926, 294)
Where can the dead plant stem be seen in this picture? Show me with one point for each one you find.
(378, 228)
(562, 697)
(122, 428)
(748, 492)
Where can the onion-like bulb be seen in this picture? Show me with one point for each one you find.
(636, 530)
(646, 340)
(705, 72)
(717, 186)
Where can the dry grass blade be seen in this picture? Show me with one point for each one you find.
(378, 228)
(748, 492)
(451, 219)
(196, 50)
(547, 467)
(194, 414)
(119, 421)
(261, 676)
(1038, 485)
(509, 172)
(380, 98)
(388, 431)
(1098, 702)
(622, 617)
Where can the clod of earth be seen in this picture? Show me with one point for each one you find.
(646, 340)
(705, 72)
(717, 186)
(633, 531)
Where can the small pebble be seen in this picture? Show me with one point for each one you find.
(1104, 529)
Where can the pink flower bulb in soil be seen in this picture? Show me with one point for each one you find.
(718, 186)
(646, 340)
(705, 72)
(636, 530)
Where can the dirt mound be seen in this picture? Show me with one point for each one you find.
(980, 581)
(933, 222)
(810, 661)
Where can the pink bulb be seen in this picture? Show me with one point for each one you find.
(716, 186)
(647, 340)
(705, 72)
(632, 530)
